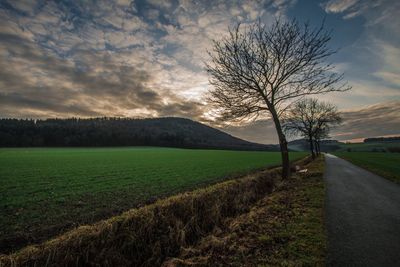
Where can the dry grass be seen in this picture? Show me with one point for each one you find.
(285, 228)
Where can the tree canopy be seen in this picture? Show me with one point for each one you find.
(312, 120)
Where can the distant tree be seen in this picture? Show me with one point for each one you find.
(312, 120)
(320, 135)
(261, 70)
(382, 139)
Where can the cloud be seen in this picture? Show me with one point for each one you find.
(353, 8)
(260, 131)
(76, 75)
(370, 121)
(370, 62)
(389, 72)
(117, 58)
(337, 6)
(34, 82)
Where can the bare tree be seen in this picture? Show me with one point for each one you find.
(312, 120)
(323, 133)
(261, 70)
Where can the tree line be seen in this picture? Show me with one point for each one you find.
(169, 132)
(382, 139)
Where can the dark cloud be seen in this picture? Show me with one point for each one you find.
(145, 58)
(35, 80)
(187, 109)
(369, 121)
(12, 100)
(260, 131)
(127, 58)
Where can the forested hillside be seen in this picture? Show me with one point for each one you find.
(171, 132)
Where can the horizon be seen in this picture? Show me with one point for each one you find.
(145, 59)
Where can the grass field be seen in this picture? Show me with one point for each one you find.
(384, 164)
(368, 147)
(350, 147)
(47, 191)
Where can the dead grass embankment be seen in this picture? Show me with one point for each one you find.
(285, 228)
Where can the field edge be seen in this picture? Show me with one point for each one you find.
(286, 228)
(389, 175)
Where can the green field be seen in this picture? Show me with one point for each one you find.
(46, 191)
(368, 147)
(384, 164)
(350, 147)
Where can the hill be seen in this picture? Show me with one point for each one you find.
(94, 132)
(326, 145)
(382, 139)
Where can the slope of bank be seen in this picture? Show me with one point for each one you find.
(285, 228)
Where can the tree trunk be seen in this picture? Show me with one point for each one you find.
(316, 147)
(283, 146)
(311, 147)
(317, 144)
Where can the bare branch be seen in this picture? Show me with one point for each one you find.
(259, 70)
(267, 66)
(311, 119)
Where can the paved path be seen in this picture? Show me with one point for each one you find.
(362, 216)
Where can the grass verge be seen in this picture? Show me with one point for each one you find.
(283, 229)
(384, 164)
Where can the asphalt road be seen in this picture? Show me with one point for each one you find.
(362, 216)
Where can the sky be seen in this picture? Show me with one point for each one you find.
(146, 59)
